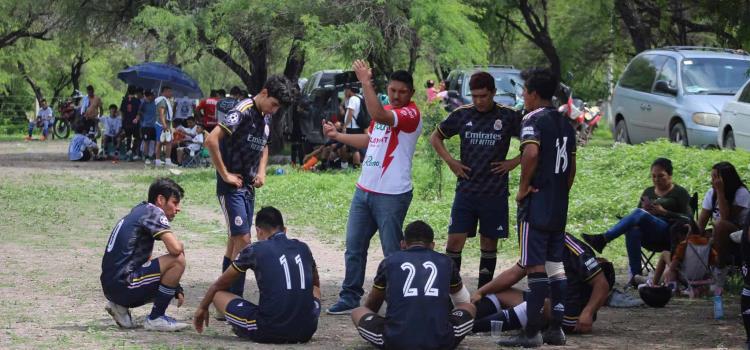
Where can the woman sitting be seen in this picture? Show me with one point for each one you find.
(727, 204)
(648, 224)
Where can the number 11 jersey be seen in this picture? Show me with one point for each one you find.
(417, 283)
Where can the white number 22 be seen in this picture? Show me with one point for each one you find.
(428, 290)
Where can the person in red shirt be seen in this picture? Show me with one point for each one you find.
(206, 111)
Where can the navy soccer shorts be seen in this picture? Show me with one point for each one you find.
(141, 288)
(371, 327)
(538, 247)
(238, 209)
(490, 211)
(242, 315)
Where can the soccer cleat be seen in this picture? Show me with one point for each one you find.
(164, 323)
(120, 314)
(553, 336)
(340, 309)
(522, 340)
(148, 161)
(598, 242)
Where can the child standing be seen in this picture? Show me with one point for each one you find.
(112, 133)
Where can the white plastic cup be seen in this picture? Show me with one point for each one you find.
(496, 328)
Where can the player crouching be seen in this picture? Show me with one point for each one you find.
(129, 279)
(287, 277)
(418, 284)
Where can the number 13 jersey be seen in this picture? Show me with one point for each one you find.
(417, 283)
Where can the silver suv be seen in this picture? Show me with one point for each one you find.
(676, 92)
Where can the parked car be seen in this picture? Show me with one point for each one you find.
(320, 79)
(676, 92)
(507, 92)
(734, 125)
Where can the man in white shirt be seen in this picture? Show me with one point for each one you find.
(184, 107)
(353, 107)
(44, 119)
(384, 188)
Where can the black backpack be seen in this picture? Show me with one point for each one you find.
(362, 118)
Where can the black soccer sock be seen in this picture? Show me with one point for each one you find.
(487, 263)
(487, 306)
(558, 286)
(488, 310)
(163, 296)
(455, 256)
(745, 305)
(225, 264)
(539, 285)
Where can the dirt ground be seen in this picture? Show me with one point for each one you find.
(50, 296)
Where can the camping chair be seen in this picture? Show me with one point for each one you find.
(651, 250)
(197, 159)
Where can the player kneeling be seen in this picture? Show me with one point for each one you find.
(129, 279)
(418, 284)
(287, 277)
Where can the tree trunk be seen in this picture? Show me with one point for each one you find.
(75, 71)
(639, 32)
(295, 62)
(37, 90)
(225, 58)
(171, 50)
(413, 51)
(259, 60)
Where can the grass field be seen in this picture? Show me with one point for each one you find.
(58, 215)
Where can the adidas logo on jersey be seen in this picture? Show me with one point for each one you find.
(559, 307)
(240, 304)
(469, 124)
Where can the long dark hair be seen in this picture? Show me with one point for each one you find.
(731, 179)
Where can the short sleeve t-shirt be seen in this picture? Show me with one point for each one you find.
(45, 114)
(129, 110)
(547, 208)
(417, 284)
(241, 150)
(112, 125)
(208, 108)
(184, 107)
(386, 168)
(741, 199)
(78, 144)
(131, 243)
(485, 138)
(354, 103)
(163, 102)
(148, 114)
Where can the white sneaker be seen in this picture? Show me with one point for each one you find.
(136, 157)
(158, 162)
(120, 314)
(164, 324)
(169, 163)
(148, 161)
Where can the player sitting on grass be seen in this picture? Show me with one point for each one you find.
(418, 284)
(589, 281)
(287, 277)
(129, 279)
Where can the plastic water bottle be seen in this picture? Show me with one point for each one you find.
(718, 305)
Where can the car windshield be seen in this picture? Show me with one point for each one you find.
(714, 76)
(503, 84)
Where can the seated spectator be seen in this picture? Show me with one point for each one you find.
(727, 204)
(184, 134)
(44, 120)
(81, 147)
(430, 91)
(649, 223)
(112, 133)
(692, 261)
(589, 281)
(191, 147)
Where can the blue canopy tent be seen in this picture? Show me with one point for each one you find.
(153, 75)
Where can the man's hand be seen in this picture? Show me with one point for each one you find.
(458, 168)
(199, 319)
(475, 297)
(502, 167)
(259, 180)
(233, 179)
(524, 192)
(329, 130)
(362, 70)
(584, 324)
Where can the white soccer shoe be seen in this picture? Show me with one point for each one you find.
(164, 324)
(120, 314)
(158, 163)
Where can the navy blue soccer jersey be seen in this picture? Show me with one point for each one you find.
(580, 267)
(485, 138)
(547, 209)
(242, 149)
(131, 243)
(417, 283)
(284, 272)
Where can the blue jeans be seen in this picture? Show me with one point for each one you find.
(45, 127)
(370, 212)
(639, 227)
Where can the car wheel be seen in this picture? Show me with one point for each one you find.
(729, 140)
(678, 134)
(621, 132)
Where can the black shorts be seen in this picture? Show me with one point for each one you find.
(148, 134)
(371, 327)
(238, 207)
(538, 247)
(242, 315)
(141, 288)
(491, 212)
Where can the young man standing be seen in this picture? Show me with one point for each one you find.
(205, 112)
(164, 114)
(129, 110)
(91, 109)
(353, 107)
(239, 152)
(129, 279)
(287, 277)
(419, 285)
(147, 119)
(485, 129)
(548, 167)
(384, 188)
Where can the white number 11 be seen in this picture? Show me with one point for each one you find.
(285, 264)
